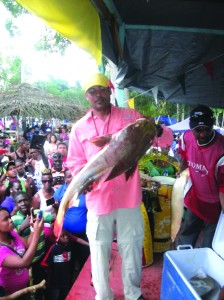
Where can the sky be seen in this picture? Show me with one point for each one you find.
(74, 65)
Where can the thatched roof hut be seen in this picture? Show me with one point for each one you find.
(25, 100)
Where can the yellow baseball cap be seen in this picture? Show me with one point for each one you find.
(96, 79)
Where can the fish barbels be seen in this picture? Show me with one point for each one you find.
(119, 156)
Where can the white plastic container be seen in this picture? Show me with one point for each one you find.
(181, 265)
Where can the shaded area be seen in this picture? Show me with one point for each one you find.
(175, 46)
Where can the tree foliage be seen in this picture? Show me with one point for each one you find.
(148, 107)
(50, 41)
(10, 71)
(12, 29)
(14, 8)
(61, 89)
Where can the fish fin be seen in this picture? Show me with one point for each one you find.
(130, 172)
(74, 198)
(105, 177)
(101, 141)
(113, 173)
(59, 222)
(58, 225)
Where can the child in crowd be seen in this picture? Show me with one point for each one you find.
(59, 262)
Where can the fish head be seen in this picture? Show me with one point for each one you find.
(141, 130)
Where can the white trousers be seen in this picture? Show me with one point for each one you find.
(129, 228)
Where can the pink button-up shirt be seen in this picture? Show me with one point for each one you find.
(116, 193)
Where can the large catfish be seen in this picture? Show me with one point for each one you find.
(119, 156)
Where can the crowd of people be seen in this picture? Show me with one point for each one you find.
(34, 180)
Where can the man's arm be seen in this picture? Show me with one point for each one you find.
(183, 165)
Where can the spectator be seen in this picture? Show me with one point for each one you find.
(9, 202)
(58, 171)
(29, 133)
(63, 135)
(36, 164)
(21, 221)
(47, 141)
(3, 158)
(75, 220)
(52, 146)
(45, 193)
(63, 149)
(26, 177)
(2, 126)
(202, 150)
(43, 127)
(162, 162)
(16, 253)
(58, 261)
(14, 122)
(10, 176)
(23, 150)
(40, 202)
(20, 167)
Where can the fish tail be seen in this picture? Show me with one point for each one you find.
(58, 225)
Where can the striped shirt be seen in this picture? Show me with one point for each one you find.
(18, 219)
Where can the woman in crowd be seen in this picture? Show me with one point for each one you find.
(63, 135)
(52, 146)
(16, 254)
(47, 142)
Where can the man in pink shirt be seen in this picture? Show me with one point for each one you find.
(113, 206)
(202, 151)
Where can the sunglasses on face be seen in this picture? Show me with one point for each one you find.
(47, 180)
(93, 91)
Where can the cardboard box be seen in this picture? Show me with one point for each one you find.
(181, 265)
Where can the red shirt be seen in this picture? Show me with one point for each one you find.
(206, 167)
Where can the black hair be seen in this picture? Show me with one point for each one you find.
(4, 208)
(9, 164)
(18, 160)
(9, 233)
(57, 155)
(11, 183)
(52, 134)
(20, 193)
(62, 143)
(66, 170)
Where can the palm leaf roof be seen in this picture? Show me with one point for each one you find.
(26, 100)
